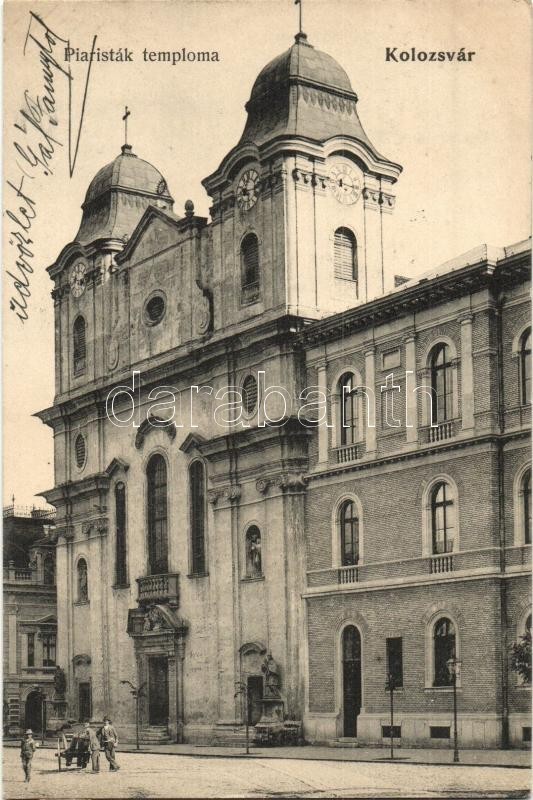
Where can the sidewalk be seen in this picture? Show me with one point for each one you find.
(518, 759)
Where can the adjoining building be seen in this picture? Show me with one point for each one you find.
(391, 541)
(30, 621)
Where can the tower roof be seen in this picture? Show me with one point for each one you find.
(118, 195)
(306, 93)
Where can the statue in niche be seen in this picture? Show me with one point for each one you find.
(270, 670)
(253, 552)
(60, 682)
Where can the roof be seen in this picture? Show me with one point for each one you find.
(127, 171)
(305, 93)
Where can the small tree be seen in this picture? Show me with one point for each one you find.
(521, 657)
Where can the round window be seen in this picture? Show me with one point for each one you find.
(155, 309)
(80, 450)
(249, 394)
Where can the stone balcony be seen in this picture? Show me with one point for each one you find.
(440, 432)
(163, 588)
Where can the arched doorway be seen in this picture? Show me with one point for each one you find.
(32, 716)
(351, 679)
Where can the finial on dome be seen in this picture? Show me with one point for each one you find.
(127, 113)
(127, 150)
(189, 208)
(300, 33)
(300, 37)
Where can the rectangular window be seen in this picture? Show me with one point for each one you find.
(31, 649)
(395, 661)
(84, 702)
(439, 732)
(49, 650)
(526, 733)
(396, 731)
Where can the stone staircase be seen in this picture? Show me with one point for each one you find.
(154, 734)
(231, 736)
(344, 741)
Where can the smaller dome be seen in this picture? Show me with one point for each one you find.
(127, 171)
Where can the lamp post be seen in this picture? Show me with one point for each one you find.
(42, 700)
(454, 669)
(137, 693)
(242, 689)
(390, 687)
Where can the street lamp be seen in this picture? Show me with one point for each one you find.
(137, 693)
(42, 699)
(454, 670)
(391, 685)
(242, 689)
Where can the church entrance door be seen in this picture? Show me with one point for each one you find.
(351, 674)
(33, 712)
(255, 694)
(158, 690)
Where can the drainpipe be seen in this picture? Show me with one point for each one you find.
(501, 529)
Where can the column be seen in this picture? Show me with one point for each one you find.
(467, 372)
(13, 649)
(411, 400)
(323, 431)
(370, 384)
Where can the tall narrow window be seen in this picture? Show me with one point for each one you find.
(345, 254)
(49, 576)
(121, 577)
(348, 403)
(526, 501)
(197, 494)
(250, 261)
(157, 515)
(31, 649)
(525, 368)
(79, 346)
(49, 650)
(83, 585)
(442, 518)
(349, 534)
(254, 567)
(395, 661)
(443, 651)
(441, 385)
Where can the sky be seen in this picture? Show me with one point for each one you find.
(460, 130)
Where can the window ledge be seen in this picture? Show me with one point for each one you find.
(198, 575)
(442, 689)
(81, 602)
(120, 586)
(252, 578)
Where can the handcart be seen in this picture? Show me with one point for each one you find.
(72, 748)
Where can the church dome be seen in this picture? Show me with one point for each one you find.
(127, 171)
(303, 62)
(118, 195)
(304, 93)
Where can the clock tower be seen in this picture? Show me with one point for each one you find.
(302, 205)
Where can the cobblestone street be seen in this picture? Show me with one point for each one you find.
(145, 775)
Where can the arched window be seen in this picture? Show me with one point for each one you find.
(254, 565)
(198, 511)
(526, 504)
(525, 368)
(349, 534)
(79, 346)
(157, 515)
(83, 584)
(441, 384)
(249, 394)
(121, 574)
(442, 518)
(250, 261)
(348, 404)
(345, 254)
(443, 651)
(49, 572)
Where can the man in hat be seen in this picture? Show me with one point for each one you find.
(94, 746)
(109, 740)
(27, 748)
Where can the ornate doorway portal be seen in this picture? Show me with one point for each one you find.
(158, 690)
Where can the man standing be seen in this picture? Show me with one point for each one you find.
(94, 746)
(27, 749)
(109, 741)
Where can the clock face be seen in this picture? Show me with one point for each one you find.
(161, 186)
(77, 279)
(345, 184)
(247, 189)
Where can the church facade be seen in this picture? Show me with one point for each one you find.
(280, 467)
